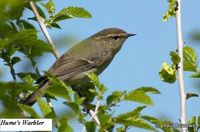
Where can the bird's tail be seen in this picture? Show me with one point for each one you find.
(31, 99)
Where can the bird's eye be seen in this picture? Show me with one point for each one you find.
(115, 37)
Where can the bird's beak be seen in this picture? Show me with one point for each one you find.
(130, 34)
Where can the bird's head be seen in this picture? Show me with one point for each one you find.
(112, 37)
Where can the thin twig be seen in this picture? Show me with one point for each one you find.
(93, 116)
(12, 71)
(180, 69)
(95, 113)
(43, 28)
(35, 67)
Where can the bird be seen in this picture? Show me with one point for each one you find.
(92, 54)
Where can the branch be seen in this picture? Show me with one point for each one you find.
(180, 65)
(95, 112)
(12, 71)
(94, 117)
(43, 28)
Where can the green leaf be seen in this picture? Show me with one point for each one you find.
(44, 107)
(175, 57)
(29, 110)
(95, 80)
(133, 119)
(26, 41)
(14, 27)
(28, 80)
(41, 12)
(9, 96)
(133, 113)
(115, 97)
(15, 60)
(74, 106)
(141, 124)
(139, 95)
(171, 10)
(189, 95)
(11, 50)
(25, 25)
(93, 91)
(106, 122)
(50, 7)
(5, 57)
(24, 74)
(71, 12)
(12, 88)
(149, 89)
(7, 30)
(101, 88)
(77, 99)
(189, 59)
(198, 123)
(64, 127)
(90, 126)
(167, 73)
(192, 124)
(55, 25)
(190, 54)
(151, 119)
(11, 10)
(64, 91)
(121, 129)
(164, 125)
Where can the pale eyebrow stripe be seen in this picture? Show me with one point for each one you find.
(111, 35)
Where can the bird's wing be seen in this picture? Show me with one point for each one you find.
(68, 66)
(86, 55)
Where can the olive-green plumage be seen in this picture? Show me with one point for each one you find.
(93, 54)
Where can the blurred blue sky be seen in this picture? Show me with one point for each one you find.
(139, 61)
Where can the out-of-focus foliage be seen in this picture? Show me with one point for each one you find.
(195, 36)
(11, 10)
